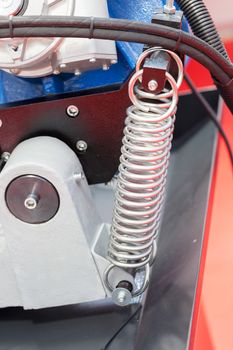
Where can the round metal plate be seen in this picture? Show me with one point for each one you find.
(32, 199)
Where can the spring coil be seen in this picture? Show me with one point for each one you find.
(143, 168)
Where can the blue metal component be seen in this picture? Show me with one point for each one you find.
(14, 89)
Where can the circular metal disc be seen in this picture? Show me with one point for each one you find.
(10, 7)
(32, 199)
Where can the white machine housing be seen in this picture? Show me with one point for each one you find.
(37, 57)
(49, 264)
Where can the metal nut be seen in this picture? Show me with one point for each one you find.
(72, 111)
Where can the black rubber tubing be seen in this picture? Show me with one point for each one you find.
(124, 30)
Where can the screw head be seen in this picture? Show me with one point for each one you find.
(105, 67)
(121, 296)
(152, 85)
(72, 111)
(79, 176)
(77, 72)
(63, 65)
(31, 202)
(81, 146)
(5, 156)
(92, 60)
(56, 71)
(15, 71)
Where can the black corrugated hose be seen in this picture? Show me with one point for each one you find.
(204, 28)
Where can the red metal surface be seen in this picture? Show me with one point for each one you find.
(213, 314)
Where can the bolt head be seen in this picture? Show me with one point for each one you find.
(152, 85)
(31, 202)
(169, 10)
(77, 72)
(79, 177)
(81, 146)
(72, 111)
(5, 156)
(92, 60)
(56, 71)
(121, 296)
(105, 67)
(15, 71)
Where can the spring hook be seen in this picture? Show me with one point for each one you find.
(143, 168)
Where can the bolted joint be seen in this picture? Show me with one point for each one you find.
(152, 85)
(72, 111)
(81, 146)
(169, 8)
(31, 202)
(122, 294)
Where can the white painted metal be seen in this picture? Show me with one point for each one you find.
(37, 57)
(49, 264)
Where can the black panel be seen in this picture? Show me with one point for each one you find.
(100, 123)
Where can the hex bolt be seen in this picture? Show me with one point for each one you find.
(56, 71)
(77, 72)
(121, 296)
(92, 60)
(31, 202)
(105, 67)
(79, 176)
(169, 7)
(63, 65)
(5, 156)
(81, 146)
(152, 85)
(72, 111)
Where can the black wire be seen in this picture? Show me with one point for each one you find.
(130, 31)
(211, 114)
(113, 29)
(122, 327)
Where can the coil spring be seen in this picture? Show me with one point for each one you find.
(143, 168)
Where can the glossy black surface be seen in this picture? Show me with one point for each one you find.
(100, 124)
(165, 322)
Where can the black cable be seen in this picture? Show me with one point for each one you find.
(122, 30)
(58, 24)
(122, 327)
(130, 31)
(211, 114)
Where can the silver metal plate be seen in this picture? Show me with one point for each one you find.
(32, 199)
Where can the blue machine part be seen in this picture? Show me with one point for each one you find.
(14, 89)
